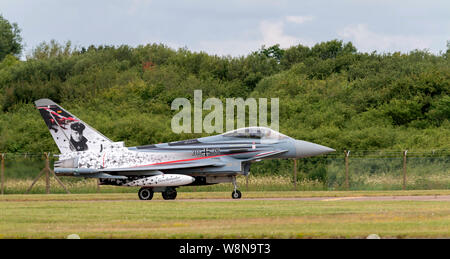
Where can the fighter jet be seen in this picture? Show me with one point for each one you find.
(164, 167)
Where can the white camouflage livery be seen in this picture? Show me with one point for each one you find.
(163, 167)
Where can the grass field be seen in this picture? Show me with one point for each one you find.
(365, 173)
(121, 215)
(376, 182)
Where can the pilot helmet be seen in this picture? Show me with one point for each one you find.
(78, 127)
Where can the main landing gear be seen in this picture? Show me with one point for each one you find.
(236, 194)
(169, 194)
(146, 193)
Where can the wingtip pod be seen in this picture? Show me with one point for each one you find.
(44, 102)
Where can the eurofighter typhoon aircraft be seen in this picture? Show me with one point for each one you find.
(164, 167)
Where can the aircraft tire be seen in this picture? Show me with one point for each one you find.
(169, 194)
(236, 194)
(145, 193)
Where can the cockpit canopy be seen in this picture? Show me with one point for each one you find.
(255, 132)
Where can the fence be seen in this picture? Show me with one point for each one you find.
(389, 170)
(342, 170)
(21, 172)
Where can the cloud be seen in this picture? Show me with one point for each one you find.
(273, 33)
(137, 5)
(299, 19)
(270, 33)
(229, 47)
(368, 41)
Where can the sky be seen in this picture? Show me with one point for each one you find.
(234, 27)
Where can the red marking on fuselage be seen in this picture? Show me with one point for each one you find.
(265, 153)
(191, 159)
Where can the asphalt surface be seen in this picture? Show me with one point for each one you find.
(324, 199)
(361, 198)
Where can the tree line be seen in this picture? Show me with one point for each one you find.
(329, 93)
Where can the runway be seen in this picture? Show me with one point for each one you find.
(329, 199)
(324, 199)
(106, 198)
(217, 215)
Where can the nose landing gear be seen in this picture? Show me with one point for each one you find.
(236, 194)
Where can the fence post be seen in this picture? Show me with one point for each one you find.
(98, 185)
(404, 169)
(56, 177)
(47, 174)
(295, 174)
(246, 181)
(3, 172)
(35, 180)
(347, 153)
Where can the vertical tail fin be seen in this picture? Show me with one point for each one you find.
(70, 133)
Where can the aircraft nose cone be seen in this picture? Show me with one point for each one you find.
(305, 149)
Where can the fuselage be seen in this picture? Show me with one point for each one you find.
(233, 149)
(87, 153)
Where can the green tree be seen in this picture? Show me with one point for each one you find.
(10, 39)
(52, 49)
(447, 53)
(272, 52)
(332, 49)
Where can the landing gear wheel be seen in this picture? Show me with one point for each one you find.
(236, 194)
(169, 194)
(145, 193)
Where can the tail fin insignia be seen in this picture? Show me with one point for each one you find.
(70, 133)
